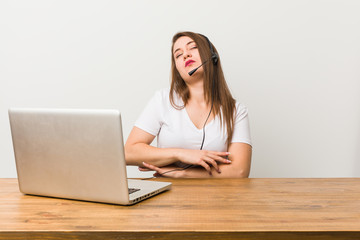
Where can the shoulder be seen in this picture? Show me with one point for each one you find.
(161, 99)
(240, 109)
(241, 132)
(241, 112)
(162, 93)
(163, 96)
(160, 96)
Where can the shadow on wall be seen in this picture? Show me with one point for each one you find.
(356, 171)
(357, 157)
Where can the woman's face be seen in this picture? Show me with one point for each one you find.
(186, 56)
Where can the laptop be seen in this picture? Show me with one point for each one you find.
(75, 154)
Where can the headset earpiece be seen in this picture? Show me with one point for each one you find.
(214, 56)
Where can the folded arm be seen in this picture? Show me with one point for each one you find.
(239, 168)
(138, 150)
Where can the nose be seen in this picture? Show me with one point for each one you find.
(186, 54)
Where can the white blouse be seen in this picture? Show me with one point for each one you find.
(174, 128)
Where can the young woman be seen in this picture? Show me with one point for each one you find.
(201, 130)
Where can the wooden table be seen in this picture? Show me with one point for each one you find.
(194, 209)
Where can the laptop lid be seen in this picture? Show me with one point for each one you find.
(70, 153)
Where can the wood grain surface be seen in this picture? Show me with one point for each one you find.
(194, 209)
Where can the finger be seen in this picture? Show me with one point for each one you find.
(219, 159)
(152, 167)
(212, 162)
(204, 165)
(159, 171)
(223, 154)
(158, 175)
(144, 169)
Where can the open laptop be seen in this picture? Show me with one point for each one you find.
(75, 154)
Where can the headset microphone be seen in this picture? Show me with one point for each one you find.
(195, 69)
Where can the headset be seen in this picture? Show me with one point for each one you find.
(214, 57)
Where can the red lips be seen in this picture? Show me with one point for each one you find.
(188, 62)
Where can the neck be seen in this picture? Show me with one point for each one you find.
(197, 92)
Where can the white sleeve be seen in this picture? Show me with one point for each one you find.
(150, 119)
(241, 125)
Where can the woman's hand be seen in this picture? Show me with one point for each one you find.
(168, 171)
(204, 158)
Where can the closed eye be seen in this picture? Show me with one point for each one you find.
(177, 56)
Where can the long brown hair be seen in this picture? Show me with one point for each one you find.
(223, 102)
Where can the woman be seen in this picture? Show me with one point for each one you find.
(201, 130)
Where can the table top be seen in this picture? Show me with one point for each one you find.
(197, 205)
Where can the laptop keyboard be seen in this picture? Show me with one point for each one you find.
(132, 190)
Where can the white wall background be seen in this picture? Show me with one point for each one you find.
(295, 64)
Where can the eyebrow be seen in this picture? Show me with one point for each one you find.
(186, 45)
